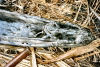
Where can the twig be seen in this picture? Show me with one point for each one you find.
(77, 13)
(49, 56)
(87, 21)
(7, 57)
(85, 56)
(33, 59)
(74, 52)
(95, 8)
(95, 13)
(18, 58)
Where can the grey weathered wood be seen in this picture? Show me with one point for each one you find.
(24, 30)
(1, 1)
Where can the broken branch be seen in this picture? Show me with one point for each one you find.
(18, 58)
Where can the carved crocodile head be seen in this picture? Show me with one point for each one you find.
(49, 32)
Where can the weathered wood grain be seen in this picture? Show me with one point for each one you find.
(24, 30)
